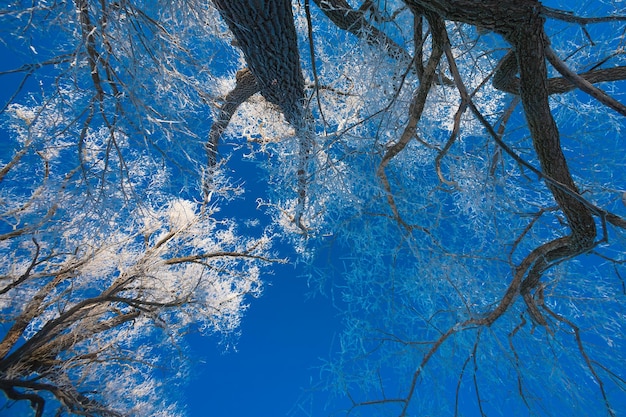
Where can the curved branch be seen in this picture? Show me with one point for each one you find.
(586, 358)
(245, 88)
(354, 21)
(530, 50)
(416, 108)
(26, 274)
(37, 402)
(76, 402)
(572, 18)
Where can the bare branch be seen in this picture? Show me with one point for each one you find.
(583, 83)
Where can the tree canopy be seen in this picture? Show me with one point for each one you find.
(452, 171)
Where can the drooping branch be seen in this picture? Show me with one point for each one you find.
(566, 16)
(245, 88)
(415, 110)
(74, 401)
(588, 362)
(89, 38)
(521, 23)
(418, 41)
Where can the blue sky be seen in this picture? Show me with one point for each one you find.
(269, 369)
(273, 367)
(284, 337)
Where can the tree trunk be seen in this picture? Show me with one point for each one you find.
(266, 34)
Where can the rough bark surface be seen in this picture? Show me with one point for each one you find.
(266, 34)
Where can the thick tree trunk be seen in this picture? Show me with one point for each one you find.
(520, 22)
(266, 34)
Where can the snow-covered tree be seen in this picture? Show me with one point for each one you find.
(109, 256)
(453, 165)
(482, 206)
(463, 157)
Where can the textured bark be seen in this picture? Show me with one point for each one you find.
(266, 34)
(529, 51)
(503, 17)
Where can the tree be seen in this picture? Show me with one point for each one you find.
(459, 153)
(395, 316)
(106, 264)
(480, 218)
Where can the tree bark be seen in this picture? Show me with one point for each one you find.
(266, 34)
